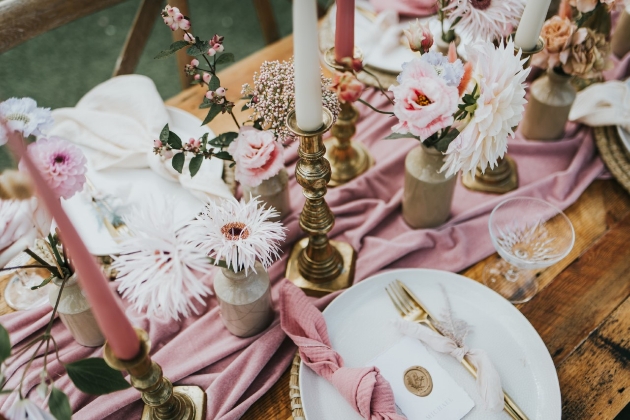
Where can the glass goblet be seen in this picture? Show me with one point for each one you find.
(529, 234)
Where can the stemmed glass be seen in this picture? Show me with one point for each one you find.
(529, 234)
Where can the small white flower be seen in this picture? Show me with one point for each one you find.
(500, 78)
(23, 115)
(238, 233)
(486, 20)
(158, 270)
(26, 409)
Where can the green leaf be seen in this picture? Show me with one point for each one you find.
(225, 58)
(442, 144)
(204, 140)
(245, 107)
(195, 164)
(164, 134)
(394, 136)
(215, 110)
(44, 282)
(175, 46)
(93, 376)
(214, 83)
(178, 162)
(223, 140)
(223, 155)
(197, 49)
(205, 103)
(59, 405)
(174, 141)
(5, 344)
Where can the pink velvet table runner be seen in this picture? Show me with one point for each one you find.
(236, 372)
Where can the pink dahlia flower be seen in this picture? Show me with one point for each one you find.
(424, 105)
(61, 163)
(258, 156)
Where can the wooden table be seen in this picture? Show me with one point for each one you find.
(582, 311)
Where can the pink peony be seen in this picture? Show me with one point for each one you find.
(61, 163)
(424, 105)
(257, 154)
(347, 87)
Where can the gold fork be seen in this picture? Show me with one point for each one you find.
(412, 310)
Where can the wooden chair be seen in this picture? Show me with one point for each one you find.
(21, 20)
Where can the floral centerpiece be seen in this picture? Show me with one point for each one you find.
(23, 225)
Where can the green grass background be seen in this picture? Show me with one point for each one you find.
(57, 68)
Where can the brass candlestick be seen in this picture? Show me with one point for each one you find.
(348, 159)
(162, 400)
(503, 177)
(317, 265)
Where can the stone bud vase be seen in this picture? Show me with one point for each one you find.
(244, 300)
(620, 42)
(427, 193)
(76, 313)
(550, 99)
(274, 192)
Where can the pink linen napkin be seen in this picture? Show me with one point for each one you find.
(364, 388)
(413, 8)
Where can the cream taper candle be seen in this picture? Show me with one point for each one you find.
(531, 23)
(308, 88)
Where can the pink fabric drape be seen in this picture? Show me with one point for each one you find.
(236, 372)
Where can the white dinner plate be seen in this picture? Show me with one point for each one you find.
(135, 186)
(360, 329)
(624, 134)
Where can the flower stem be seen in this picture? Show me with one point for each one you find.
(380, 87)
(374, 109)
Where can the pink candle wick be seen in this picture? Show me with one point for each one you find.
(106, 306)
(344, 31)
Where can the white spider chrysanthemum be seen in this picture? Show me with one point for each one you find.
(237, 233)
(485, 20)
(500, 80)
(159, 271)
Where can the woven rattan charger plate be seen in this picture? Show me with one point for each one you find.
(614, 154)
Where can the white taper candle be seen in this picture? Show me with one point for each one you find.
(308, 90)
(531, 23)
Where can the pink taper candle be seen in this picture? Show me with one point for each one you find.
(106, 306)
(344, 31)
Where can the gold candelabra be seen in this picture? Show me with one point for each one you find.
(348, 159)
(162, 400)
(503, 177)
(317, 265)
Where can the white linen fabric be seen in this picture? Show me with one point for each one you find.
(115, 125)
(488, 380)
(603, 104)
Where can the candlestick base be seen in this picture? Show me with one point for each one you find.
(343, 280)
(540, 45)
(503, 178)
(162, 400)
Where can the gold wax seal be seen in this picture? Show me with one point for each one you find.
(418, 381)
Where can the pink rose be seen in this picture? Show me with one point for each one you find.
(258, 156)
(424, 105)
(347, 87)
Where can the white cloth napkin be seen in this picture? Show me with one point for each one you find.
(488, 380)
(603, 104)
(115, 124)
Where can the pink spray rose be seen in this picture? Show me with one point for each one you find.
(61, 163)
(424, 104)
(258, 156)
(347, 87)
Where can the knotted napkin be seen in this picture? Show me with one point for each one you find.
(364, 388)
(488, 380)
(603, 104)
(115, 125)
(412, 8)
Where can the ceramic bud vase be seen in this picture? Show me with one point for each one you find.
(244, 300)
(274, 192)
(550, 99)
(75, 312)
(442, 46)
(427, 193)
(620, 42)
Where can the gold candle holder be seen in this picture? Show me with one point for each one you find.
(348, 159)
(317, 265)
(503, 177)
(162, 400)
